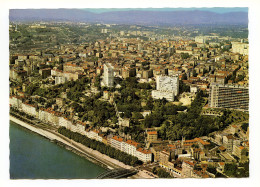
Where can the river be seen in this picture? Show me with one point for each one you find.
(35, 157)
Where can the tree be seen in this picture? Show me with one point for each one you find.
(162, 173)
(127, 114)
(244, 126)
(230, 169)
(101, 147)
(183, 87)
(185, 55)
(184, 76)
(149, 103)
(137, 115)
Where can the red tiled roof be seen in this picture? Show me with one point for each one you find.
(117, 138)
(230, 137)
(201, 141)
(222, 163)
(152, 132)
(188, 162)
(222, 148)
(131, 142)
(144, 151)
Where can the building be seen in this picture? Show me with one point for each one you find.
(228, 142)
(104, 31)
(166, 87)
(144, 155)
(122, 33)
(80, 126)
(15, 102)
(125, 122)
(128, 72)
(146, 74)
(130, 147)
(168, 83)
(152, 136)
(193, 89)
(69, 67)
(158, 94)
(108, 79)
(241, 48)
(156, 153)
(106, 95)
(93, 134)
(164, 157)
(60, 80)
(28, 109)
(60, 102)
(228, 96)
(18, 75)
(43, 115)
(64, 122)
(200, 39)
(220, 79)
(45, 72)
(187, 169)
(234, 129)
(117, 142)
(72, 76)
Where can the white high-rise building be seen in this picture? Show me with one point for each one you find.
(168, 83)
(200, 39)
(166, 87)
(108, 79)
(241, 48)
(103, 30)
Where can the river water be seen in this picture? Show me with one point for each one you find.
(35, 157)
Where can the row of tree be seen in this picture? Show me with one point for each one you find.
(101, 147)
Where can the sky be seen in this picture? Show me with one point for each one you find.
(216, 10)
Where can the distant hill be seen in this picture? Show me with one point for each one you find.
(130, 17)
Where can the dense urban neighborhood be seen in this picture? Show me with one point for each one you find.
(172, 102)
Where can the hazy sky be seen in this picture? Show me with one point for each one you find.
(217, 10)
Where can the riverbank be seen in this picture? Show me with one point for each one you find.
(90, 154)
(86, 152)
(32, 156)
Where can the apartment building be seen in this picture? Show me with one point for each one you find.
(144, 155)
(166, 87)
(152, 136)
(108, 79)
(117, 143)
(228, 96)
(130, 147)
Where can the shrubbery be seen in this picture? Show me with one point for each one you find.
(161, 173)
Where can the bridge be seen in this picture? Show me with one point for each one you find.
(117, 173)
